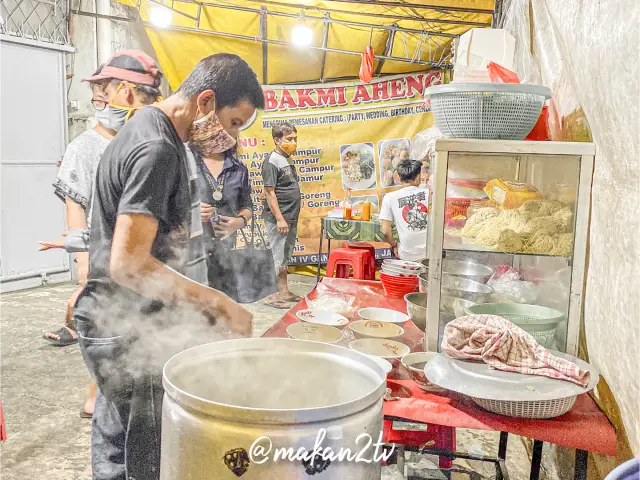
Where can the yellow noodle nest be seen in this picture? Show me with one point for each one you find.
(510, 241)
(538, 226)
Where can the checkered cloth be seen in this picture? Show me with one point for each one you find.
(505, 346)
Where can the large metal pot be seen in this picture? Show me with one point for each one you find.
(222, 397)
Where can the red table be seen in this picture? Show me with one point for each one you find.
(584, 428)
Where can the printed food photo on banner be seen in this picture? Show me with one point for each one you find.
(358, 166)
(390, 153)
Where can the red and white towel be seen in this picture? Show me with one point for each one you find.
(505, 346)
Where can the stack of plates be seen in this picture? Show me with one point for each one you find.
(401, 268)
(399, 277)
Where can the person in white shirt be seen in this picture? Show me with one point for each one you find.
(407, 209)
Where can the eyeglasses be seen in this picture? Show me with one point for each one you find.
(99, 105)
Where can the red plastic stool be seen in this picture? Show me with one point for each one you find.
(341, 260)
(435, 436)
(371, 249)
(3, 430)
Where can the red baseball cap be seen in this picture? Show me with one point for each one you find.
(132, 66)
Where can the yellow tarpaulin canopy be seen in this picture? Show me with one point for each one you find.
(412, 35)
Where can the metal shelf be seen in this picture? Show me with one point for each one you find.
(481, 249)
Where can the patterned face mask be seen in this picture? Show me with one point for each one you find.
(208, 136)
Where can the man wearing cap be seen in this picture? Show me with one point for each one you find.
(147, 297)
(129, 80)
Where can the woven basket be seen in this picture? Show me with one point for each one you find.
(528, 409)
(489, 111)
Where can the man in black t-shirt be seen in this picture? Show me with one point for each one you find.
(138, 307)
(281, 207)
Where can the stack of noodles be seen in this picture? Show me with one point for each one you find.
(542, 227)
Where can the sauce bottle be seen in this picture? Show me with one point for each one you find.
(366, 211)
(346, 213)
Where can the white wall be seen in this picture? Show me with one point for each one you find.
(111, 36)
(587, 52)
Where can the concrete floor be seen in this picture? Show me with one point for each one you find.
(43, 391)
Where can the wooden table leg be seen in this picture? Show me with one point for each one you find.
(536, 460)
(582, 460)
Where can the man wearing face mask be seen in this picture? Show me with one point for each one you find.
(146, 297)
(281, 207)
(74, 182)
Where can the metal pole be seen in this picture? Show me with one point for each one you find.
(289, 44)
(265, 45)
(439, 8)
(387, 50)
(325, 42)
(331, 20)
(362, 14)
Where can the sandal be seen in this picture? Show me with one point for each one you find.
(294, 298)
(84, 414)
(65, 338)
(279, 304)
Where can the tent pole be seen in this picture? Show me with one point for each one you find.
(388, 48)
(330, 20)
(325, 42)
(289, 44)
(439, 8)
(265, 45)
(364, 14)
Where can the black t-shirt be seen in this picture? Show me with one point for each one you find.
(280, 173)
(142, 171)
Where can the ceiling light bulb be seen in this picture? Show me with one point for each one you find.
(160, 17)
(301, 35)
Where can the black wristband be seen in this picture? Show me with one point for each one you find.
(245, 220)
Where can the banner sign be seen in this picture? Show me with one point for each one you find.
(350, 136)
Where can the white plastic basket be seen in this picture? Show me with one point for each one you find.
(490, 111)
(528, 409)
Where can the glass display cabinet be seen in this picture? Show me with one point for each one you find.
(508, 236)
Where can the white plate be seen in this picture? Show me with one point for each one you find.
(383, 315)
(477, 379)
(398, 272)
(403, 264)
(322, 317)
(365, 183)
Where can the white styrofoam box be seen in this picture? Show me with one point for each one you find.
(467, 75)
(479, 46)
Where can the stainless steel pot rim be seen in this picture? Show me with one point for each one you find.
(274, 416)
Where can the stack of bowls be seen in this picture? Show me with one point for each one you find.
(399, 277)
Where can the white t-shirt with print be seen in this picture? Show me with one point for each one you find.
(407, 209)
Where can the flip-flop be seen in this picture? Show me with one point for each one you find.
(65, 338)
(84, 414)
(279, 304)
(295, 298)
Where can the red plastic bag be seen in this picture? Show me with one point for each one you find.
(540, 131)
(366, 66)
(499, 74)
